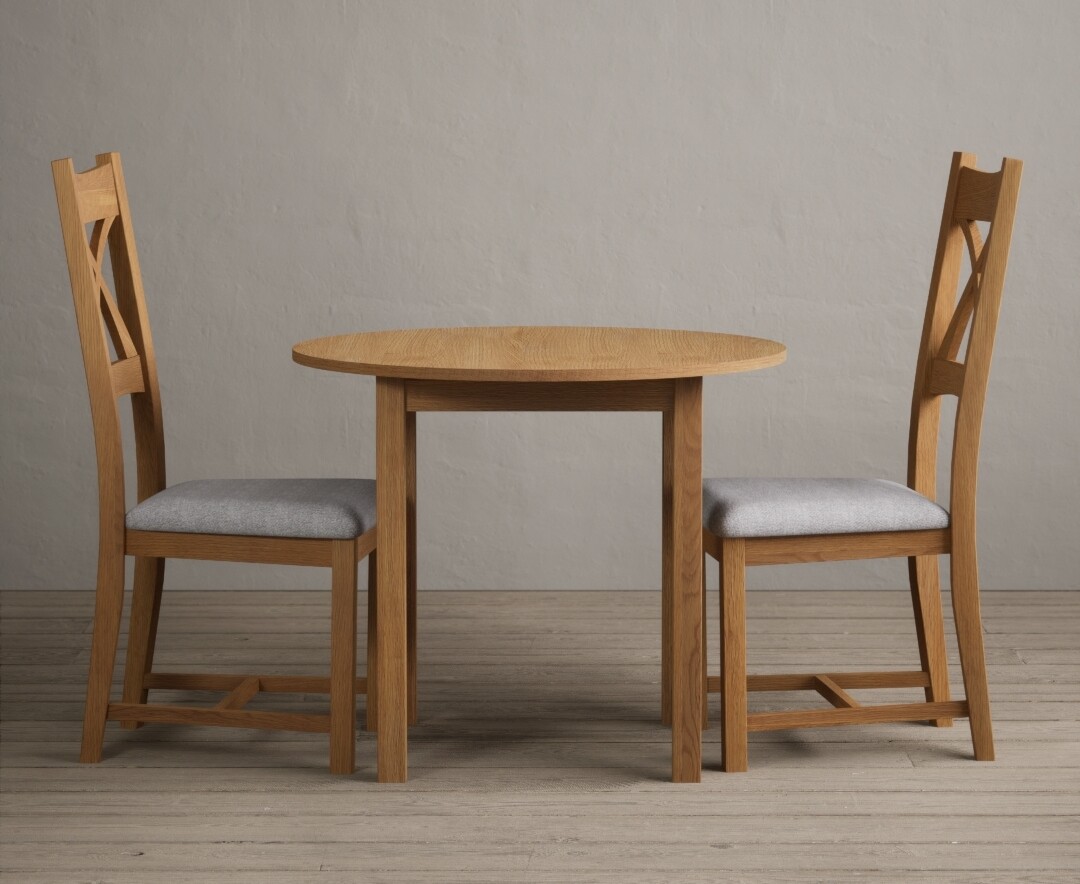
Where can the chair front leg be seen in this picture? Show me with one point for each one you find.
(343, 657)
(733, 654)
(410, 565)
(142, 630)
(667, 586)
(704, 643)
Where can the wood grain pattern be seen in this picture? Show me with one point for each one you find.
(704, 645)
(241, 695)
(686, 558)
(163, 713)
(965, 455)
(146, 407)
(924, 425)
(733, 654)
(835, 694)
(961, 319)
(667, 580)
(96, 193)
(99, 197)
(343, 657)
(107, 612)
(127, 377)
(844, 547)
(410, 564)
(424, 395)
(808, 682)
(238, 548)
(946, 378)
(371, 714)
(891, 712)
(392, 505)
(271, 684)
(971, 196)
(142, 629)
(540, 369)
(123, 345)
(539, 353)
(977, 194)
(925, 583)
(106, 423)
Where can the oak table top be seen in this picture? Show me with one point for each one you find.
(539, 353)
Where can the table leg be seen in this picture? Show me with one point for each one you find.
(392, 519)
(685, 571)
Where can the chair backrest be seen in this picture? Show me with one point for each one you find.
(96, 201)
(972, 196)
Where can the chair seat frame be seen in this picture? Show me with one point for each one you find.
(342, 684)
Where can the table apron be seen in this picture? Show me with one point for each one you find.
(650, 395)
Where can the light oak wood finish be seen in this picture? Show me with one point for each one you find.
(925, 583)
(271, 684)
(539, 757)
(667, 563)
(391, 480)
(836, 547)
(809, 682)
(733, 654)
(685, 562)
(540, 396)
(371, 715)
(149, 580)
(835, 694)
(343, 657)
(971, 196)
(410, 562)
(523, 354)
(250, 550)
(540, 369)
(241, 695)
(99, 197)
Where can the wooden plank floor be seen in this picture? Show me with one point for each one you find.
(540, 756)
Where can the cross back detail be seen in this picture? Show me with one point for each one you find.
(123, 345)
(97, 199)
(973, 196)
(976, 200)
(965, 306)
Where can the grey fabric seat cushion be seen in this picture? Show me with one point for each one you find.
(798, 507)
(327, 509)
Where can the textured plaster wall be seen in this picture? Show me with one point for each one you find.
(300, 169)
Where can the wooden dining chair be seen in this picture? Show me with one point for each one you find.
(320, 522)
(778, 521)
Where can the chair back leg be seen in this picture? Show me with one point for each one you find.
(969, 636)
(108, 607)
(142, 630)
(930, 628)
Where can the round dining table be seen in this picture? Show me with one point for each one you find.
(539, 368)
